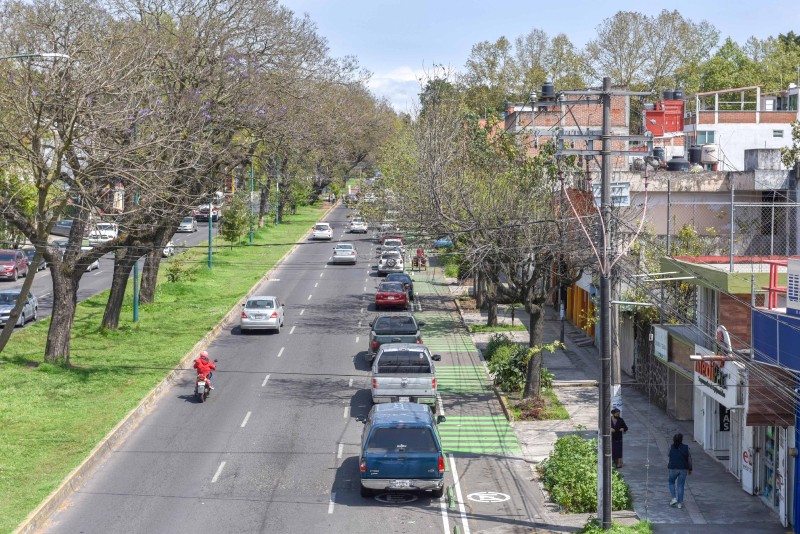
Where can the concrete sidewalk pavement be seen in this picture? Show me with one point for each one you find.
(714, 501)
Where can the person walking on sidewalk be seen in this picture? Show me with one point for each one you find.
(618, 429)
(680, 465)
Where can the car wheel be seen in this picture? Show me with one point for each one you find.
(366, 492)
(35, 314)
(437, 493)
(278, 330)
(244, 331)
(16, 276)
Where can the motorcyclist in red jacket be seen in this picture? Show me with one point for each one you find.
(204, 366)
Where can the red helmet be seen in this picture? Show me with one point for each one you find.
(204, 354)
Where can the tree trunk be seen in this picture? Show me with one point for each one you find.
(533, 377)
(478, 284)
(152, 263)
(11, 323)
(65, 301)
(491, 303)
(123, 263)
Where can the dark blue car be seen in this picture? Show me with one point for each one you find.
(401, 450)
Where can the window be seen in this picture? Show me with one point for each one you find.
(777, 133)
(791, 105)
(705, 137)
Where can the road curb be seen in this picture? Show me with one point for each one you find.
(41, 514)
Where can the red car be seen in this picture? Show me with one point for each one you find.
(391, 294)
(13, 264)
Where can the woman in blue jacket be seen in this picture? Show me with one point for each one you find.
(680, 465)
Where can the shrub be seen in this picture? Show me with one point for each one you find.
(570, 475)
(495, 342)
(451, 270)
(508, 367)
(178, 271)
(593, 526)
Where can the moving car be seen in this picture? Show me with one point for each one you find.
(103, 232)
(13, 264)
(30, 253)
(391, 262)
(404, 372)
(203, 211)
(358, 226)
(401, 450)
(188, 224)
(8, 299)
(407, 281)
(322, 230)
(261, 313)
(62, 227)
(391, 294)
(344, 253)
(399, 328)
(393, 243)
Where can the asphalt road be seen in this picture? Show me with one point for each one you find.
(98, 280)
(275, 448)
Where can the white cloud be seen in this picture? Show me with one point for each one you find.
(400, 86)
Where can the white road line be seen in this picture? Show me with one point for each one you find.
(332, 501)
(292, 330)
(219, 471)
(366, 279)
(350, 383)
(359, 324)
(246, 418)
(315, 285)
(45, 295)
(445, 519)
(439, 402)
(340, 450)
(459, 498)
(325, 266)
(302, 311)
(309, 297)
(264, 383)
(346, 411)
(365, 288)
(320, 274)
(280, 352)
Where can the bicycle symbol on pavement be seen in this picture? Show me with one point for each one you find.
(488, 497)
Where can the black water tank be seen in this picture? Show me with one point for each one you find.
(678, 163)
(696, 154)
(677, 94)
(659, 153)
(548, 91)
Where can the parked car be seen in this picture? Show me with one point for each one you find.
(188, 224)
(398, 328)
(401, 450)
(407, 281)
(391, 295)
(261, 313)
(13, 264)
(404, 372)
(8, 299)
(358, 225)
(169, 250)
(203, 211)
(443, 242)
(322, 230)
(391, 262)
(344, 253)
(30, 253)
(62, 227)
(103, 232)
(86, 247)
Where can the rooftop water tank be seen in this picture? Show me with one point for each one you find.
(677, 94)
(695, 154)
(678, 163)
(709, 155)
(659, 153)
(548, 91)
(669, 95)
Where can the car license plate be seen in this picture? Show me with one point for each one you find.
(400, 484)
(390, 298)
(258, 317)
(403, 399)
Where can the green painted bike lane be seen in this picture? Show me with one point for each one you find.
(466, 432)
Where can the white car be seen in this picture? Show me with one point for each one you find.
(391, 262)
(261, 313)
(393, 243)
(169, 250)
(358, 225)
(103, 232)
(322, 230)
(86, 247)
(344, 253)
(188, 224)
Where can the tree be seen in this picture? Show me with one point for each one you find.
(235, 218)
(490, 75)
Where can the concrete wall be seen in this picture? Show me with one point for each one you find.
(734, 138)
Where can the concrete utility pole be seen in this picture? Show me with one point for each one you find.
(605, 259)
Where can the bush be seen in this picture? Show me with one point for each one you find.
(451, 270)
(495, 342)
(593, 527)
(178, 271)
(570, 475)
(508, 367)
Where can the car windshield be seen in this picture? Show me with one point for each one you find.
(342, 246)
(358, 220)
(187, 220)
(402, 324)
(398, 277)
(392, 243)
(321, 227)
(391, 254)
(67, 222)
(7, 256)
(8, 298)
(105, 226)
(261, 304)
(397, 287)
(406, 439)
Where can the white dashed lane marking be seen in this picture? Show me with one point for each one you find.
(219, 471)
(264, 383)
(280, 352)
(246, 418)
(292, 330)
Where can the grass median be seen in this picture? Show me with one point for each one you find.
(52, 416)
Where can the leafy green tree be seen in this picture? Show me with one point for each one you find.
(728, 68)
(235, 218)
(490, 75)
(791, 154)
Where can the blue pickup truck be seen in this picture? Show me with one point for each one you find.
(401, 450)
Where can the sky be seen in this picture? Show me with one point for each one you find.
(400, 41)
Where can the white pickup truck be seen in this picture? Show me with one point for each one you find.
(404, 372)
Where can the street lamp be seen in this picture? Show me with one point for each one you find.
(45, 55)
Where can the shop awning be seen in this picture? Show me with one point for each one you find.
(771, 395)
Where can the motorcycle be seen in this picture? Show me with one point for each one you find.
(202, 387)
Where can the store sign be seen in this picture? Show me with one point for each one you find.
(724, 419)
(714, 378)
(661, 343)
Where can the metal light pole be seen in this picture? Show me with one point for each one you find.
(136, 271)
(210, 234)
(277, 188)
(252, 180)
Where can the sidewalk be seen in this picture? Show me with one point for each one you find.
(714, 501)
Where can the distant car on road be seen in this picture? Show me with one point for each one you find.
(391, 295)
(391, 262)
(358, 225)
(13, 264)
(8, 299)
(261, 313)
(86, 247)
(407, 281)
(188, 224)
(30, 253)
(322, 230)
(103, 232)
(344, 253)
(443, 242)
(62, 227)
(202, 213)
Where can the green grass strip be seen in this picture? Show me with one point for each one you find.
(52, 416)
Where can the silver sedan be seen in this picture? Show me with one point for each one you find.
(344, 253)
(261, 313)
